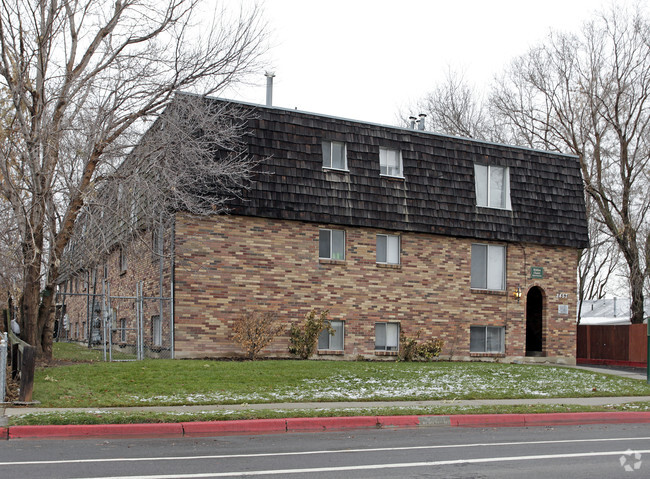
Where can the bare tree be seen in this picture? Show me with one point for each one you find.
(586, 94)
(455, 108)
(81, 77)
(589, 94)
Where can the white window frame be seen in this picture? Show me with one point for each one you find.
(333, 255)
(384, 168)
(392, 249)
(395, 327)
(484, 339)
(484, 186)
(124, 260)
(156, 330)
(480, 274)
(326, 339)
(123, 330)
(328, 155)
(156, 243)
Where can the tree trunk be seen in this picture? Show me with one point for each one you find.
(636, 288)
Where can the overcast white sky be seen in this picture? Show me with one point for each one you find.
(366, 59)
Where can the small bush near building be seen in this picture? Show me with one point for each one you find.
(254, 330)
(411, 349)
(303, 339)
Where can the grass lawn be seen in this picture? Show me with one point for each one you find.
(178, 382)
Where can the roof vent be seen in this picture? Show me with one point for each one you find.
(269, 88)
(412, 121)
(421, 121)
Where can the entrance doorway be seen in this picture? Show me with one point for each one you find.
(534, 322)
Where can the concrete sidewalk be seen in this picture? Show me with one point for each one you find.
(592, 401)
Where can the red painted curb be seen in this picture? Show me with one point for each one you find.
(206, 428)
(576, 418)
(488, 420)
(324, 423)
(93, 430)
(252, 426)
(398, 421)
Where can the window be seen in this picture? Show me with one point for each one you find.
(386, 336)
(492, 186)
(390, 162)
(156, 330)
(156, 243)
(123, 260)
(332, 341)
(334, 155)
(388, 249)
(123, 330)
(488, 267)
(331, 244)
(486, 339)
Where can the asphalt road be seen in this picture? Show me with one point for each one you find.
(547, 452)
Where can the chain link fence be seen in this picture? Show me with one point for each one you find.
(124, 328)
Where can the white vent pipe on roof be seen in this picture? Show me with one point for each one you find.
(269, 88)
(421, 121)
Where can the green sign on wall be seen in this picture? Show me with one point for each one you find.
(536, 272)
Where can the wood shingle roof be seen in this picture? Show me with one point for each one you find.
(437, 194)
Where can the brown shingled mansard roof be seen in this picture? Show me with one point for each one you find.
(437, 194)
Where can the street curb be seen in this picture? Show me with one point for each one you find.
(253, 426)
(95, 430)
(312, 424)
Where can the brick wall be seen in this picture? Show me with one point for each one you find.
(228, 264)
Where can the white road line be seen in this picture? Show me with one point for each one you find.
(372, 466)
(316, 452)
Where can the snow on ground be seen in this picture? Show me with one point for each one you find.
(421, 384)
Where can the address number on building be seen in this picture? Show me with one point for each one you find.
(562, 295)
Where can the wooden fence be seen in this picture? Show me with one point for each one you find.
(23, 363)
(616, 344)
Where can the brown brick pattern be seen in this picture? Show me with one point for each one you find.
(228, 264)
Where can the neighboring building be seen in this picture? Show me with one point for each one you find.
(393, 230)
(608, 311)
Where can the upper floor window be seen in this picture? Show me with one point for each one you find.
(156, 243)
(492, 186)
(331, 244)
(334, 155)
(488, 267)
(123, 259)
(390, 162)
(388, 249)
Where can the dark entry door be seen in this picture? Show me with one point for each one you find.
(534, 327)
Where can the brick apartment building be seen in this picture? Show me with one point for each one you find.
(390, 229)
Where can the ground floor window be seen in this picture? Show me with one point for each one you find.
(156, 330)
(332, 341)
(486, 339)
(386, 336)
(123, 330)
